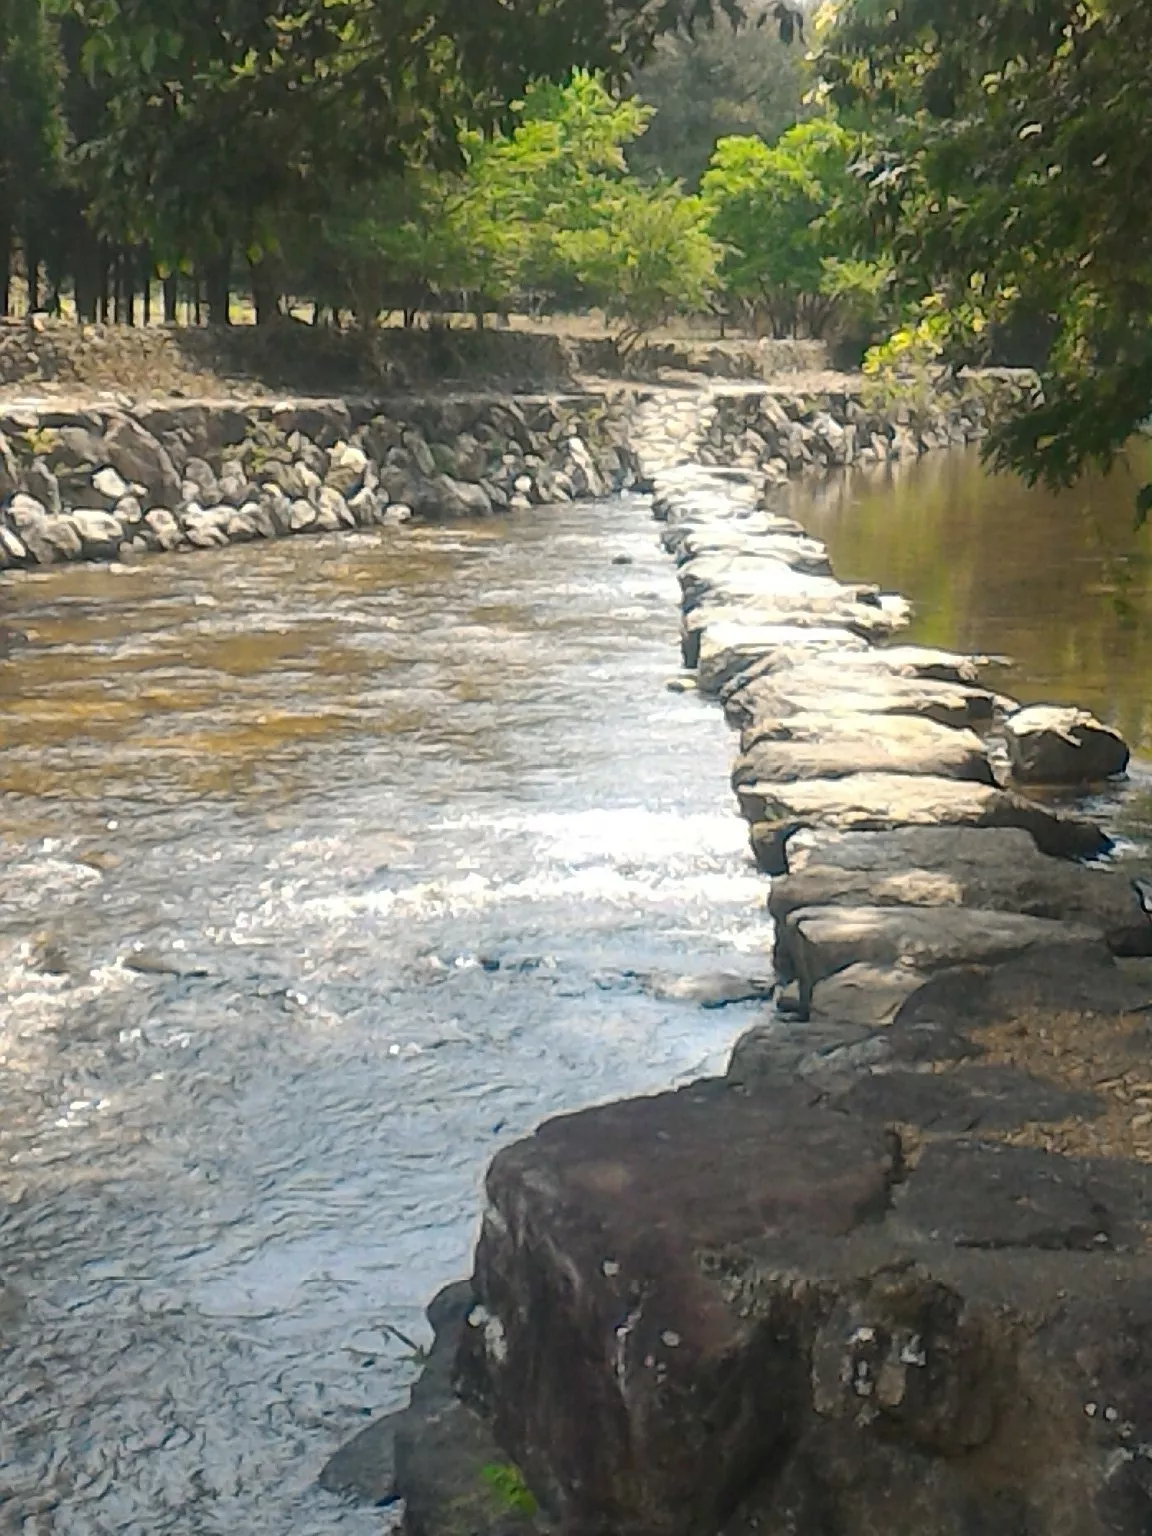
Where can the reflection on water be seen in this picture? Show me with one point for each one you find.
(326, 868)
(1062, 584)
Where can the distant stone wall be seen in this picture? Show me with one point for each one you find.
(784, 430)
(297, 359)
(111, 483)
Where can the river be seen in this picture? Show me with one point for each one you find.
(421, 808)
(1059, 583)
(326, 868)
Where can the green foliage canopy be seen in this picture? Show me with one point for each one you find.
(546, 208)
(786, 216)
(1010, 144)
(222, 113)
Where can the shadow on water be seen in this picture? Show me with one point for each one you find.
(326, 868)
(1062, 584)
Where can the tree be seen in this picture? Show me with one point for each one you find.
(785, 214)
(227, 118)
(1008, 144)
(31, 132)
(717, 82)
(647, 257)
(544, 210)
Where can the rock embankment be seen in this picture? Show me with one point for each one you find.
(118, 481)
(112, 483)
(892, 1274)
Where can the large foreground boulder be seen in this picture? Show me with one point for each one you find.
(716, 1312)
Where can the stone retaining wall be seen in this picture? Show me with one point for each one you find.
(114, 483)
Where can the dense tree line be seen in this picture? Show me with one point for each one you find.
(373, 156)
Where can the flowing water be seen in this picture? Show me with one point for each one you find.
(421, 811)
(329, 866)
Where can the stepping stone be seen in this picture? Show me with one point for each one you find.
(879, 802)
(1049, 744)
(998, 869)
(885, 953)
(833, 746)
(726, 648)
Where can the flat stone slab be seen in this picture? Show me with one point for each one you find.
(800, 604)
(821, 686)
(969, 1098)
(727, 579)
(912, 661)
(1051, 744)
(725, 648)
(916, 941)
(984, 1195)
(881, 802)
(833, 746)
(999, 869)
(775, 539)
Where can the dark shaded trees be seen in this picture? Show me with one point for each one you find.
(718, 82)
(31, 133)
(1010, 145)
(189, 137)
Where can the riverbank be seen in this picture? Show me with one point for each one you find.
(101, 480)
(874, 1277)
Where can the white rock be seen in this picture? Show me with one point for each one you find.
(110, 484)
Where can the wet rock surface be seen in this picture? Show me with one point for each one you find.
(995, 870)
(1053, 745)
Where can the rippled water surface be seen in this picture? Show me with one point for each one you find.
(393, 829)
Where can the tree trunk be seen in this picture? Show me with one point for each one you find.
(126, 285)
(265, 298)
(170, 292)
(146, 265)
(32, 272)
(217, 275)
(105, 285)
(86, 279)
(5, 266)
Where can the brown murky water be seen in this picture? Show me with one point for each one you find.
(1062, 584)
(395, 826)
